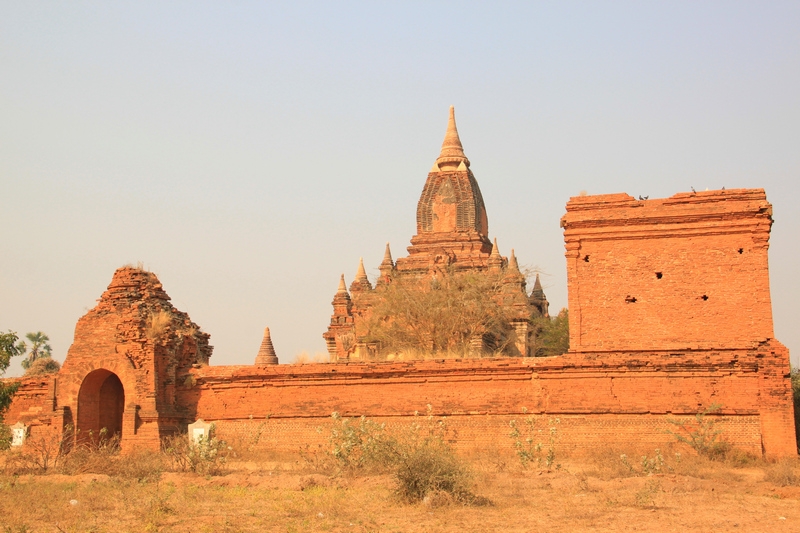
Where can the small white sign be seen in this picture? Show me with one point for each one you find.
(18, 433)
(198, 434)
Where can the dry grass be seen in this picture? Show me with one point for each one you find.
(157, 324)
(273, 493)
(303, 358)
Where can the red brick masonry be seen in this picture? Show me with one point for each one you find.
(644, 349)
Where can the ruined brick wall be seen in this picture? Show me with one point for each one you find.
(613, 400)
(646, 348)
(34, 404)
(685, 272)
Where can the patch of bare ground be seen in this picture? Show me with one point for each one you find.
(600, 493)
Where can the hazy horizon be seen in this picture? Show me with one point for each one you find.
(250, 153)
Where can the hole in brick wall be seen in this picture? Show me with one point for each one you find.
(704, 297)
(659, 275)
(630, 299)
(740, 250)
(586, 258)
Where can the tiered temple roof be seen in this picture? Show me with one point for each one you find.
(452, 236)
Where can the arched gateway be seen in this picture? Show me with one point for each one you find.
(101, 404)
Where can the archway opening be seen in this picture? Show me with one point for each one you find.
(101, 403)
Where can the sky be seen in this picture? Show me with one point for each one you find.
(249, 153)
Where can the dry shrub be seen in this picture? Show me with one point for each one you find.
(94, 456)
(303, 358)
(39, 454)
(205, 456)
(701, 433)
(782, 473)
(421, 461)
(157, 324)
(42, 366)
(428, 468)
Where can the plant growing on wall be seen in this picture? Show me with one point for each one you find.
(702, 433)
(441, 313)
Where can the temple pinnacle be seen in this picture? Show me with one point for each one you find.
(387, 257)
(495, 259)
(361, 275)
(495, 249)
(452, 154)
(361, 282)
(512, 262)
(342, 286)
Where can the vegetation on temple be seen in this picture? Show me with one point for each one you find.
(440, 314)
(550, 335)
(447, 312)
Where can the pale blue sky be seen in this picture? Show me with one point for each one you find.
(249, 153)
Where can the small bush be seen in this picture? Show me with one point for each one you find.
(529, 444)
(42, 366)
(429, 468)
(206, 456)
(782, 473)
(649, 465)
(361, 446)
(702, 435)
(421, 461)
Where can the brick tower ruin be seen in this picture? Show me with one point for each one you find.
(452, 236)
(120, 373)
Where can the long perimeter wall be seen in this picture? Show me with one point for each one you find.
(669, 315)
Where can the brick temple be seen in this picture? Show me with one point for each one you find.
(670, 314)
(452, 236)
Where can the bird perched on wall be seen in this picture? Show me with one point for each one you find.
(643, 197)
(694, 191)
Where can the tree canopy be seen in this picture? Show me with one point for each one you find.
(40, 349)
(442, 313)
(9, 347)
(550, 335)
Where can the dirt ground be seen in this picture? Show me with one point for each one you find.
(581, 495)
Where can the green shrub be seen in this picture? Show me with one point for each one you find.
(419, 457)
(204, 456)
(529, 444)
(702, 434)
(360, 446)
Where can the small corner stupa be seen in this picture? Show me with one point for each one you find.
(266, 353)
(452, 236)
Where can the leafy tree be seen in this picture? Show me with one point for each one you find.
(39, 348)
(9, 347)
(550, 335)
(442, 313)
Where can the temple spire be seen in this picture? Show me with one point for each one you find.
(452, 154)
(342, 286)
